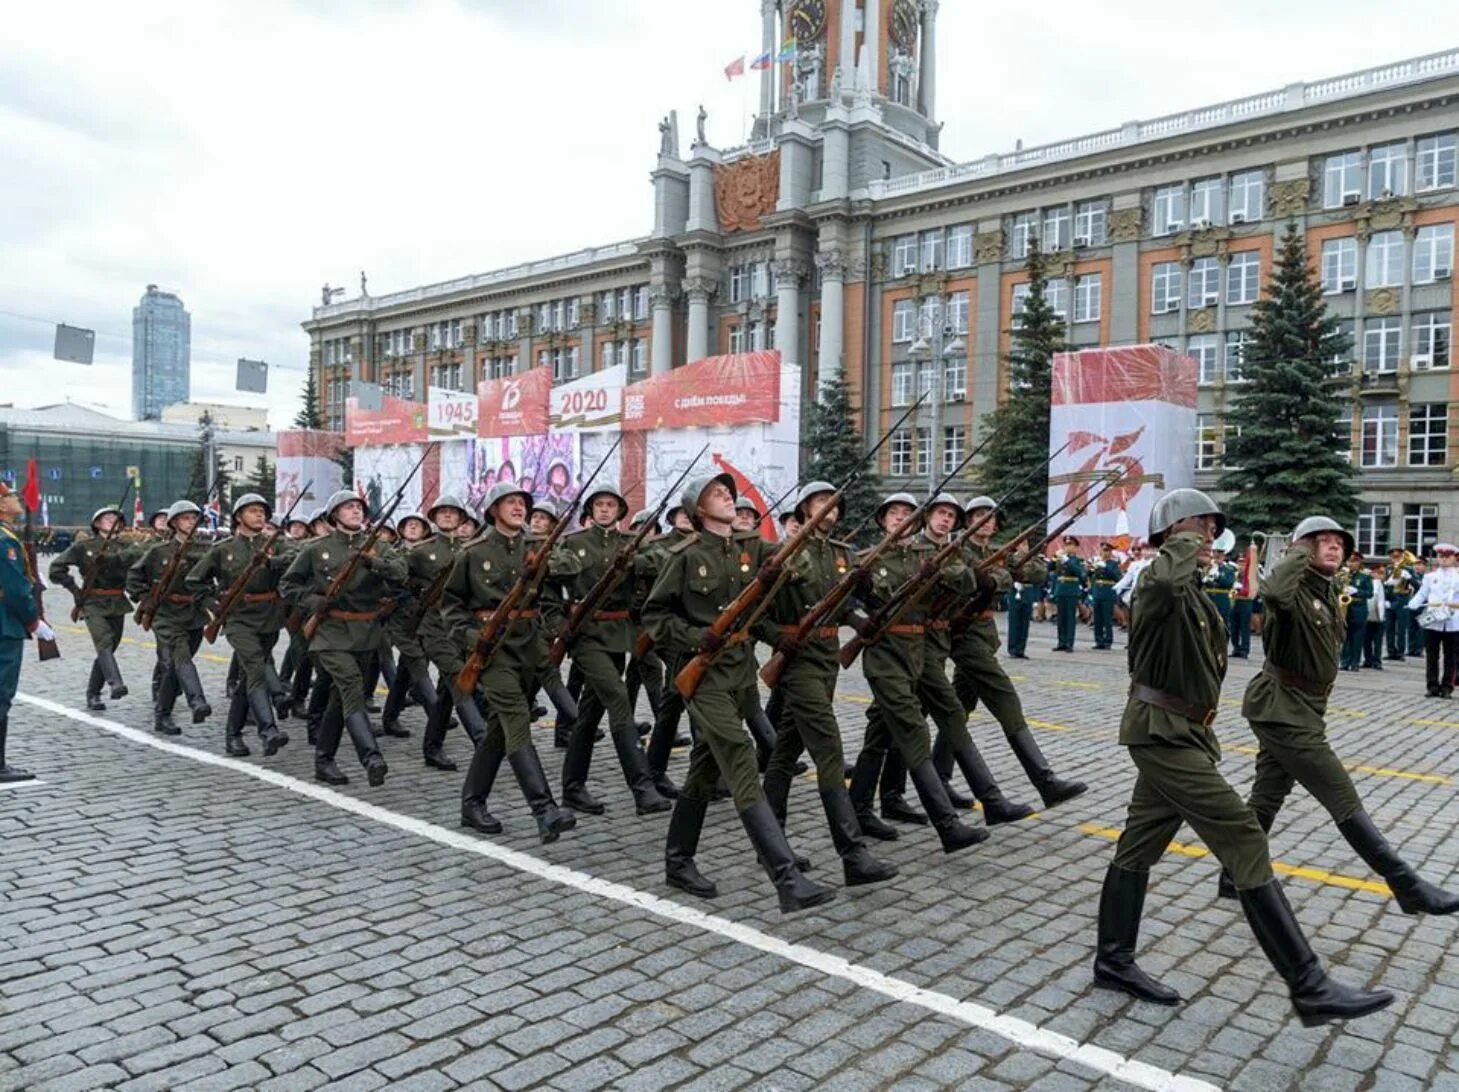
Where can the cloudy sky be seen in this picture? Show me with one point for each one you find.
(243, 154)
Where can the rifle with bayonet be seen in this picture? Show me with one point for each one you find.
(259, 559)
(147, 611)
(93, 571)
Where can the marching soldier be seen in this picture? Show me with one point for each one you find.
(665, 736)
(19, 619)
(1356, 591)
(646, 671)
(747, 516)
(1286, 705)
(1177, 663)
(1068, 576)
(178, 625)
(253, 623)
(1104, 574)
(348, 632)
(545, 514)
(411, 664)
(104, 607)
(1399, 584)
(807, 689)
(482, 577)
(701, 576)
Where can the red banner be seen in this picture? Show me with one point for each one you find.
(301, 443)
(397, 421)
(718, 390)
(1131, 373)
(515, 405)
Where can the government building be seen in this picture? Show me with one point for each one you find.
(845, 237)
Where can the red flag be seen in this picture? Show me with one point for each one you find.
(31, 494)
(735, 68)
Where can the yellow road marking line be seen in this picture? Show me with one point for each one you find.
(1301, 872)
(1435, 723)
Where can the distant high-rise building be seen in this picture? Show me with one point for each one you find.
(161, 353)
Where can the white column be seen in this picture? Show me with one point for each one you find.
(768, 44)
(832, 264)
(698, 289)
(874, 47)
(788, 275)
(661, 352)
(847, 57)
(927, 78)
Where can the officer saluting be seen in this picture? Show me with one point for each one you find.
(1177, 663)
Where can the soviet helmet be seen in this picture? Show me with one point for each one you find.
(182, 508)
(1313, 525)
(500, 491)
(895, 498)
(446, 500)
(547, 506)
(103, 511)
(415, 517)
(252, 498)
(1181, 504)
(689, 498)
(642, 516)
(807, 491)
(947, 500)
(338, 499)
(605, 490)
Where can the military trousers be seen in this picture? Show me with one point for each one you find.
(1291, 753)
(604, 690)
(1373, 644)
(1241, 628)
(978, 676)
(1180, 784)
(1395, 629)
(936, 698)
(105, 630)
(1352, 642)
(722, 745)
(1104, 623)
(254, 650)
(504, 685)
(1437, 642)
(346, 670)
(805, 720)
(666, 719)
(1068, 621)
(1020, 614)
(176, 646)
(12, 652)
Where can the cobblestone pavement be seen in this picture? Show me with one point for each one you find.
(168, 922)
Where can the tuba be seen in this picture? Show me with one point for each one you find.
(1271, 546)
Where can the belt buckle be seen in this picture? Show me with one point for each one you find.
(1209, 719)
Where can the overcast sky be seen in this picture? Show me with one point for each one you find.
(243, 154)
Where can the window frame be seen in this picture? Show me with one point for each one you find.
(1168, 276)
(1424, 439)
(1168, 210)
(1442, 156)
(1383, 362)
(1378, 430)
(1252, 181)
(1246, 264)
(1336, 169)
(1338, 254)
(1433, 244)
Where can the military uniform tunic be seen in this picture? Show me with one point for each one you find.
(252, 626)
(178, 625)
(18, 615)
(106, 608)
(1357, 618)
(1103, 576)
(1068, 577)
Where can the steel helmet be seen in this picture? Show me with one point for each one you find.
(949, 501)
(446, 500)
(606, 490)
(689, 498)
(418, 517)
(548, 506)
(103, 511)
(1225, 542)
(1181, 504)
(182, 508)
(1313, 525)
(642, 516)
(979, 502)
(338, 499)
(809, 490)
(252, 498)
(500, 491)
(895, 498)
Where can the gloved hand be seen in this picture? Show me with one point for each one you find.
(711, 642)
(44, 631)
(768, 573)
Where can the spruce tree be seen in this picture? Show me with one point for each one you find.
(263, 480)
(1288, 446)
(309, 415)
(1019, 450)
(835, 445)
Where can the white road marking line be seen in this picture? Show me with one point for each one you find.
(1019, 1032)
(21, 784)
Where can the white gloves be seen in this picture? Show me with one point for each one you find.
(44, 631)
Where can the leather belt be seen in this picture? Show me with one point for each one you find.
(102, 591)
(903, 630)
(1297, 682)
(1068, 580)
(938, 624)
(610, 616)
(179, 598)
(352, 615)
(260, 597)
(1107, 583)
(516, 615)
(823, 633)
(1173, 703)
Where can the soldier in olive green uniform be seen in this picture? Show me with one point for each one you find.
(665, 736)
(545, 514)
(413, 668)
(978, 676)
(1287, 706)
(646, 671)
(481, 579)
(253, 623)
(806, 692)
(1177, 658)
(1068, 576)
(1104, 574)
(701, 576)
(105, 607)
(348, 632)
(600, 651)
(178, 625)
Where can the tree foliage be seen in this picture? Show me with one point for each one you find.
(309, 415)
(834, 444)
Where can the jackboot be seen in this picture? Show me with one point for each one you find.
(230, 684)
(660, 745)
(1054, 790)
(680, 846)
(763, 733)
(8, 773)
(1317, 998)
(192, 689)
(94, 704)
(777, 795)
(1225, 889)
(472, 721)
(567, 713)
(475, 816)
(796, 892)
(1414, 895)
(480, 779)
(268, 731)
(953, 833)
(997, 808)
(942, 759)
(278, 693)
(358, 726)
(647, 800)
(163, 697)
(857, 863)
(112, 673)
(864, 776)
(432, 744)
(395, 701)
(1121, 902)
(894, 804)
(233, 744)
(550, 821)
(575, 765)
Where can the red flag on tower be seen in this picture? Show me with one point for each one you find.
(735, 68)
(31, 494)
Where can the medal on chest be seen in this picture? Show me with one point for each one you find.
(744, 562)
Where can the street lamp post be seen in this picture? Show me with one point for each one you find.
(931, 347)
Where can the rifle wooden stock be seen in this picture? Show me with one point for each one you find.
(643, 645)
(235, 590)
(93, 571)
(147, 612)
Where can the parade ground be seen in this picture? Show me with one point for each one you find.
(174, 919)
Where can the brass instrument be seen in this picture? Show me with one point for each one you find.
(1342, 579)
(1271, 547)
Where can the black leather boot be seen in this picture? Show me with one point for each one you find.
(763, 733)
(395, 702)
(432, 744)
(8, 773)
(647, 800)
(894, 803)
(361, 735)
(575, 766)
(192, 689)
(777, 795)
(233, 744)
(680, 846)
(94, 704)
(164, 696)
(864, 776)
(472, 722)
(480, 779)
(278, 693)
(1121, 902)
(795, 890)
(550, 821)
(1054, 790)
(567, 713)
(857, 863)
(953, 833)
(475, 816)
(112, 673)
(1317, 998)
(1414, 895)
(661, 744)
(942, 759)
(997, 808)
(268, 732)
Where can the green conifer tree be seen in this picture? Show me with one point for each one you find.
(833, 443)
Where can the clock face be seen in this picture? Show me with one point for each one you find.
(904, 24)
(807, 20)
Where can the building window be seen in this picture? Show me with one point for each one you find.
(501, 366)
(739, 283)
(954, 438)
(1428, 434)
(1056, 228)
(760, 280)
(904, 255)
(446, 376)
(1382, 342)
(924, 452)
(1207, 455)
(1388, 171)
(1342, 180)
(1056, 291)
(1205, 283)
(1342, 361)
(1025, 227)
(1380, 434)
(926, 373)
(736, 338)
(1385, 260)
(1248, 197)
(1020, 297)
(1204, 350)
(955, 378)
(1090, 220)
(901, 462)
(1087, 295)
(932, 251)
(1420, 527)
(638, 357)
(605, 305)
(929, 314)
(1339, 265)
(1165, 288)
(1373, 527)
(1433, 253)
(960, 246)
(1436, 161)
(1169, 206)
(1432, 340)
(957, 312)
(1206, 206)
(640, 302)
(902, 377)
(1243, 277)
(1236, 343)
(238, 464)
(903, 320)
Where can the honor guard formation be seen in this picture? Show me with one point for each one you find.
(471, 616)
